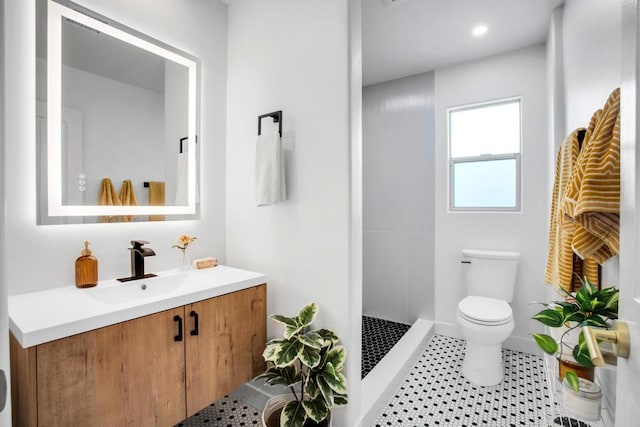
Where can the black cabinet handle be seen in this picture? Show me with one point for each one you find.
(178, 319)
(193, 314)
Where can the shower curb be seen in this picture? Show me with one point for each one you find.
(379, 384)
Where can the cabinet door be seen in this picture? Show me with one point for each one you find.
(227, 351)
(129, 374)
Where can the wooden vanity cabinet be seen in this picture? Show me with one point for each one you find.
(227, 350)
(130, 371)
(145, 371)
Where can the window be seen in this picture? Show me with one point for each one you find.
(484, 156)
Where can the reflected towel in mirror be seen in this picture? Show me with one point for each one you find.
(127, 198)
(156, 198)
(108, 197)
(182, 181)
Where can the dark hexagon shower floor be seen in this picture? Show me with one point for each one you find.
(378, 336)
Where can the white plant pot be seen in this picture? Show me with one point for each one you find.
(276, 403)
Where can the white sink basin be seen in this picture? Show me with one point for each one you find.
(44, 316)
(137, 290)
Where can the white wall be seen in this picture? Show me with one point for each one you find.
(5, 415)
(298, 61)
(43, 257)
(398, 205)
(591, 57)
(555, 90)
(520, 73)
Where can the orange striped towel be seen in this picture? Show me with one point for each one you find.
(592, 199)
(561, 262)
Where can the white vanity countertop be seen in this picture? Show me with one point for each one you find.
(39, 317)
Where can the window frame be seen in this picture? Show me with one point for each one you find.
(485, 157)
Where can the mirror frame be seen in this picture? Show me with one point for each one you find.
(56, 13)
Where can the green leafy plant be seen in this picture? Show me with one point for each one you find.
(309, 362)
(586, 307)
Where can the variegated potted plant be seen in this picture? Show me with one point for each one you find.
(308, 362)
(586, 307)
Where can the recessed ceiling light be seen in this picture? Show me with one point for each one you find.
(479, 30)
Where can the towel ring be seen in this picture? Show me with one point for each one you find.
(277, 118)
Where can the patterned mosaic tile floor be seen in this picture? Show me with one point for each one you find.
(378, 337)
(436, 394)
(433, 394)
(226, 412)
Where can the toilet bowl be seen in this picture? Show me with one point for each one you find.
(485, 324)
(485, 316)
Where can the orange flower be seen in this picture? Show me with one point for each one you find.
(184, 240)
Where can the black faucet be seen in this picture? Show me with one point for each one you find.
(138, 253)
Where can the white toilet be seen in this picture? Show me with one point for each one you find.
(485, 315)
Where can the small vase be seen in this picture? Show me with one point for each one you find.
(186, 262)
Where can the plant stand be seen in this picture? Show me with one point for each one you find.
(557, 410)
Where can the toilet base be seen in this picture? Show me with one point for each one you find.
(483, 364)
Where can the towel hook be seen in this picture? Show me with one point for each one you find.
(277, 118)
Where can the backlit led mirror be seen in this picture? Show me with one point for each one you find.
(117, 118)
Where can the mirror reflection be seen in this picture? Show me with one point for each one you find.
(116, 121)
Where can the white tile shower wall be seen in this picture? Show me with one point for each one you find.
(294, 56)
(398, 209)
(200, 28)
(393, 253)
(591, 56)
(519, 73)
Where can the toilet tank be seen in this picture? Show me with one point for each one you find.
(489, 273)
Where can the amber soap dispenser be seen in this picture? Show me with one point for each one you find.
(86, 268)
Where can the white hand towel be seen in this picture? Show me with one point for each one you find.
(269, 179)
(181, 179)
(182, 192)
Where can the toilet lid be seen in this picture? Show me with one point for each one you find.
(485, 310)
